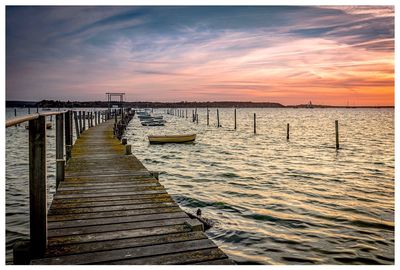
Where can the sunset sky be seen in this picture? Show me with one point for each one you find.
(334, 55)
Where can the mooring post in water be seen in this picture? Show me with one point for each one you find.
(68, 134)
(186, 113)
(15, 111)
(255, 123)
(337, 133)
(37, 186)
(235, 117)
(217, 118)
(208, 117)
(29, 110)
(60, 161)
(76, 124)
(287, 131)
(115, 113)
(197, 118)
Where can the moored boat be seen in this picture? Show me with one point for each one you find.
(172, 138)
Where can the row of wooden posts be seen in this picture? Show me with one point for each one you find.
(195, 119)
(38, 165)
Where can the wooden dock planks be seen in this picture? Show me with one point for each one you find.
(110, 210)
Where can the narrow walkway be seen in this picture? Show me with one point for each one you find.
(110, 210)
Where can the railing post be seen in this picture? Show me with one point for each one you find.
(68, 135)
(80, 122)
(60, 161)
(38, 186)
(76, 124)
(90, 119)
(84, 119)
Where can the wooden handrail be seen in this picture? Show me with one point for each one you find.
(20, 119)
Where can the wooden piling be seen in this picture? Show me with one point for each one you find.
(76, 124)
(84, 120)
(29, 110)
(91, 119)
(15, 112)
(255, 123)
(287, 131)
(128, 149)
(38, 186)
(218, 118)
(124, 141)
(186, 113)
(80, 122)
(337, 133)
(235, 118)
(68, 134)
(60, 161)
(208, 117)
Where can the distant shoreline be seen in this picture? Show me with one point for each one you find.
(144, 104)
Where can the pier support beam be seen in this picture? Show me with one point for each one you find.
(68, 134)
(60, 161)
(38, 186)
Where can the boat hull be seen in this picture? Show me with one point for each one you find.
(172, 139)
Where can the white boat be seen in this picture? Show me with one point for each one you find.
(172, 138)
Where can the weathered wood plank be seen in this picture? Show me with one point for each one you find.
(122, 243)
(81, 210)
(180, 257)
(60, 204)
(108, 190)
(62, 240)
(116, 227)
(121, 254)
(217, 262)
(111, 220)
(110, 198)
(113, 213)
(104, 183)
(110, 194)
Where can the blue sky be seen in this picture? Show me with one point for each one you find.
(287, 54)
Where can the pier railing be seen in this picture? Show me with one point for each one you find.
(38, 167)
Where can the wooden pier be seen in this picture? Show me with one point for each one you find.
(109, 209)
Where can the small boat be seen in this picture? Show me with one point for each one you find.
(172, 138)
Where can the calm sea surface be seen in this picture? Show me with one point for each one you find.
(271, 201)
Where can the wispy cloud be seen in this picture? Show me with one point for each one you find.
(284, 54)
